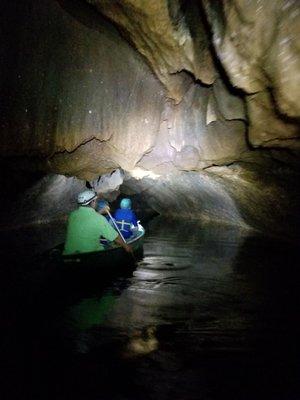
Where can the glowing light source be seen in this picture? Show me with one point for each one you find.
(139, 173)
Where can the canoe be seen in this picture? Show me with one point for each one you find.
(69, 278)
(75, 275)
(113, 255)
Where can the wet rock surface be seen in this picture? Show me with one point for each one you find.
(170, 35)
(239, 194)
(68, 102)
(257, 43)
(199, 86)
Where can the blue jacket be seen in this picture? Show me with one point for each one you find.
(124, 218)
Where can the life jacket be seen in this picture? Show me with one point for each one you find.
(125, 219)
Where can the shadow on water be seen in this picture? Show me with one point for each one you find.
(206, 314)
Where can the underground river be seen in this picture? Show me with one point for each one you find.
(207, 313)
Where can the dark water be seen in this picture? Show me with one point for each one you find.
(206, 314)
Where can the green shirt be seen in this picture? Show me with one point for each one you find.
(85, 226)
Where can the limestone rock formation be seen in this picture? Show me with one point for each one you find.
(258, 44)
(267, 128)
(187, 158)
(241, 194)
(78, 95)
(82, 113)
(197, 102)
(169, 34)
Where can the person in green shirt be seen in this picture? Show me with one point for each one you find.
(86, 226)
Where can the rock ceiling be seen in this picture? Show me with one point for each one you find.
(162, 87)
(78, 88)
(257, 43)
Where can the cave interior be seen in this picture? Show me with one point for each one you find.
(191, 108)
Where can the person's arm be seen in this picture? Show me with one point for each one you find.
(105, 210)
(125, 246)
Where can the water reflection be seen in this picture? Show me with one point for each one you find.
(196, 318)
(91, 312)
(185, 281)
(142, 342)
(208, 313)
(185, 277)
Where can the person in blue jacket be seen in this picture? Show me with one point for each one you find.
(102, 208)
(126, 219)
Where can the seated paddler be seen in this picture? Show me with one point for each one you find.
(86, 226)
(102, 207)
(126, 219)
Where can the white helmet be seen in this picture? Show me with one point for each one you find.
(85, 197)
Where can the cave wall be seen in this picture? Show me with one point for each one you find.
(197, 133)
(79, 98)
(171, 37)
(255, 45)
(252, 194)
(71, 83)
(163, 99)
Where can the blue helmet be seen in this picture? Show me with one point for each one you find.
(125, 204)
(101, 204)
